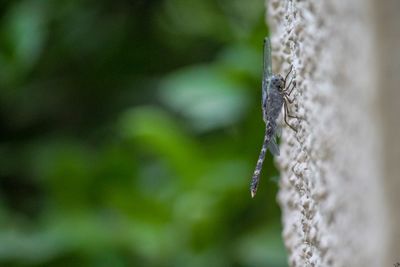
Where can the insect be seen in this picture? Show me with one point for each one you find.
(275, 94)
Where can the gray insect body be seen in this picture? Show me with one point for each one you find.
(275, 94)
(273, 103)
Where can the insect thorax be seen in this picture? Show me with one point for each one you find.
(277, 82)
(274, 100)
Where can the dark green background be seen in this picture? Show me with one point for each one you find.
(129, 131)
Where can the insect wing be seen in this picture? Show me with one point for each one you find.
(267, 68)
(273, 147)
(278, 131)
(267, 59)
(267, 73)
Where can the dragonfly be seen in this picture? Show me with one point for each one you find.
(275, 95)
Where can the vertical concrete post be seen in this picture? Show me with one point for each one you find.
(340, 171)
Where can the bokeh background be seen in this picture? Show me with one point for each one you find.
(129, 131)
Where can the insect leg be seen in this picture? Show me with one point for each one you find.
(287, 88)
(285, 96)
(256, 175)
(286, 108)
(284, 83)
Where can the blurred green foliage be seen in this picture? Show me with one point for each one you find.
(129, 133)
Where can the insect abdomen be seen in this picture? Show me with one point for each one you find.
(256, 175)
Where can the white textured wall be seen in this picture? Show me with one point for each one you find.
(340, 173)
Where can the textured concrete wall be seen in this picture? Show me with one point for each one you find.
(339, 172)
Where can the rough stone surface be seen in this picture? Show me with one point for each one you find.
(332, 170)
